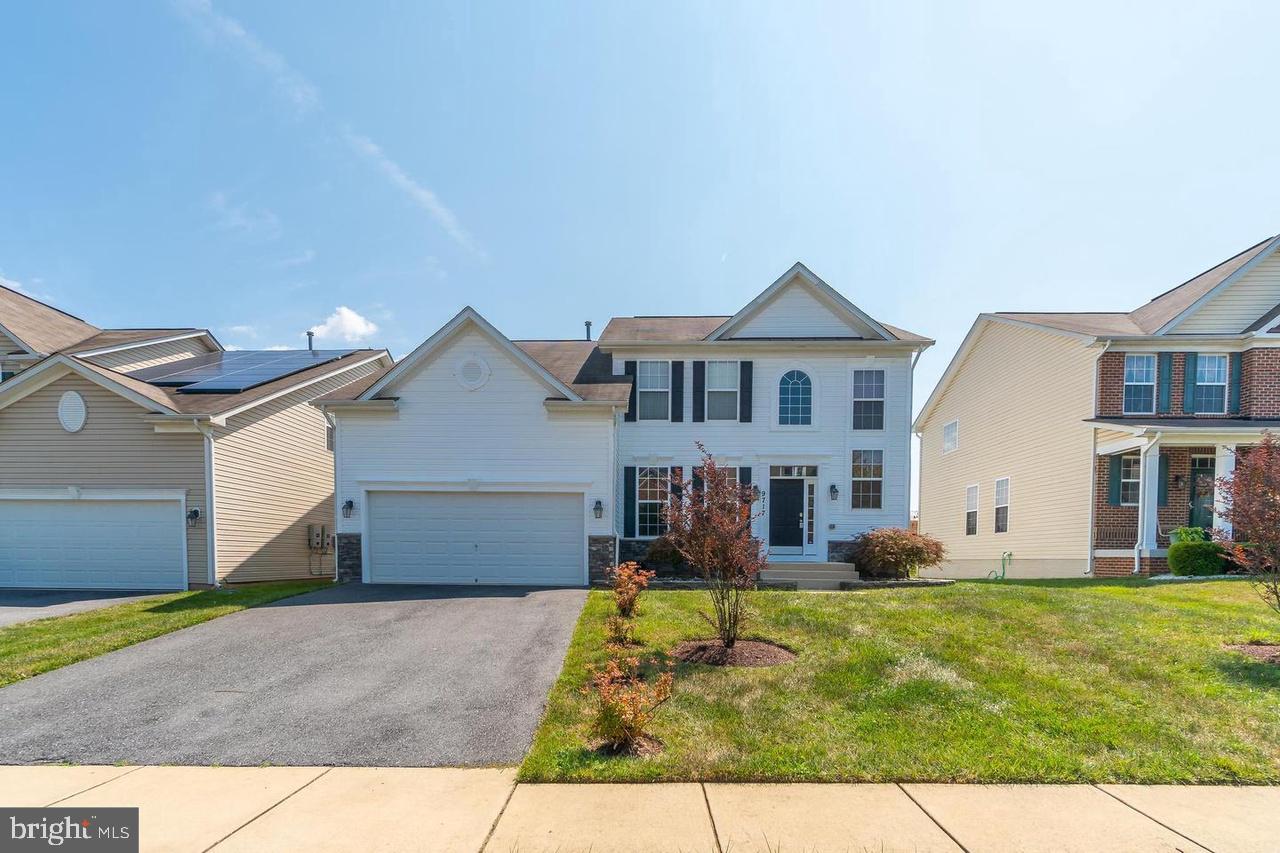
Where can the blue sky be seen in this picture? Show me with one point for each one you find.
(252, 167)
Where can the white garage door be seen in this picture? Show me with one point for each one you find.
(92, 544)
(476, 537)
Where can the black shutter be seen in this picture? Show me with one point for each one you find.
(677, 391)
(1237, 373)
(1164, 380)
(676, 481)
(699, 391)
(744, 475)
(744, 392)
(1189, 384)
(629, 501)
(697, 478)
(629, 368)
(1113, 482)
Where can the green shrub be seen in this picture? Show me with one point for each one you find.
(1197, 558)
(1189, 534)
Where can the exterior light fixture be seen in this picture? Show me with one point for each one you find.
(834, 492)
(193, 517)
(348, 507)
(598, 509)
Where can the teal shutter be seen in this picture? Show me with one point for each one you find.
(629, 501)
(1189, 384)
(1113, 484)
(1164, 479)
(1164, 378)
(1237, 374)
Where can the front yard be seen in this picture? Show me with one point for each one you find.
(1048, 681)
(30, 648)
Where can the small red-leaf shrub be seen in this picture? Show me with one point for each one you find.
(618, 631)
(629, 580)
(623, 703)
(1251, 502)
(891, 552)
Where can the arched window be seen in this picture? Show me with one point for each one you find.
(795, 399)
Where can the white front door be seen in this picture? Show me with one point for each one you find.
(92, 544)
(526, 538)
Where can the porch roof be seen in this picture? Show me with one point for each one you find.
(1213, 425)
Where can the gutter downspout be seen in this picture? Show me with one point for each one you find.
(211, 523)
(1153, 444)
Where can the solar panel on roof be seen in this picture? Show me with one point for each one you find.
(233, 372)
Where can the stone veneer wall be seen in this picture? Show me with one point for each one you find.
(838, 551)
(349, 559)
(602, 554)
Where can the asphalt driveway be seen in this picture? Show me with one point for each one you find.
(351, 675)
(23, 605)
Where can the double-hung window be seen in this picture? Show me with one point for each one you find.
(950, 436)
(653, 389)
(653, 491)
(867, 487)
(1211, 384)
(1130, 479)
(722, 390)
(1140, 384)
(1002, 505)
(868, 399)
(971, 511)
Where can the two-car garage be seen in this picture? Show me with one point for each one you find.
(527, 538)
(61, 540)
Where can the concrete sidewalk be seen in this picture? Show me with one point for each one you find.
(410, 809)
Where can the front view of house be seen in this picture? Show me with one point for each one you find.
(477, 459)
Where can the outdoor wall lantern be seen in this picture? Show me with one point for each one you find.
(193, 517)
(598, 509)
(348, 507)
(1179, 481)
(834, 492)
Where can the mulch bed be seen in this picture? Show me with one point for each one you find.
(1264, 652)
(743, 653)
(644, 747)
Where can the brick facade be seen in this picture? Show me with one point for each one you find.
(1122, 567)
(1111, 385)
(1260, 386)
(1117, 526)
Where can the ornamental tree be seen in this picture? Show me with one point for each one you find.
(709, 522)
(1250, 498)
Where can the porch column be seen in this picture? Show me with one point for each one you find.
(1224, 466)
(1149, 501)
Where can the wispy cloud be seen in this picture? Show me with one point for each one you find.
(346, 325)
(243, 330)
(299, 260)
(305, 98)
(227, 30)
(278, 347)
(24, 289)
(416, 192)
(239, 218)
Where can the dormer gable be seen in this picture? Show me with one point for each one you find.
(800, 305)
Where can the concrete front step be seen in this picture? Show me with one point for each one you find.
(810, 575)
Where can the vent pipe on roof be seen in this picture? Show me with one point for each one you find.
(311, 339)
(588, 325)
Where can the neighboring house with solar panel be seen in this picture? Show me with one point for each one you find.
(154, 459)
(478, 459)
(1078, 442)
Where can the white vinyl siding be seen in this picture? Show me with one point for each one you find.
(653, 389)
(722, 390)
(1139, 384)
(795, 312)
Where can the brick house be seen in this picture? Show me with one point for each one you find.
(1159, 398)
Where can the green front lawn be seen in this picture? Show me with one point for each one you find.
(1063, 681)
(30, 648)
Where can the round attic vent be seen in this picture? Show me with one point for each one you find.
(472, 372)
(71, 411)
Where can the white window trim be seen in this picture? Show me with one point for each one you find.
(1008, 504)
(1124, 480)
(976, 489)
(639, 501)
(853, 479)
(640, 391)
(956, 444)
(736, 389)
(882, 399)
(1225, 384)
(1154, 383)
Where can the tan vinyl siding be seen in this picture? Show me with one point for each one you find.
(136, 358)
(9, 345)
(273, 477)
(1240, 304)
(1021, 397)
(115, 449)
